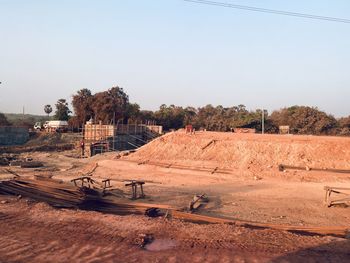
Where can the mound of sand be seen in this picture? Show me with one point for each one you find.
(246, 151)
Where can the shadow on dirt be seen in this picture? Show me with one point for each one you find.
(336, 251)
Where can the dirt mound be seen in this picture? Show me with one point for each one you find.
(246, 151)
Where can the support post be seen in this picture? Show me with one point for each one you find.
(262, 121)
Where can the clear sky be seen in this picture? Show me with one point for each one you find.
(174, 52)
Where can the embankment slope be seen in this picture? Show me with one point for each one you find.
(246, 151)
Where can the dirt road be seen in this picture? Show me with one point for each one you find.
(35, 232)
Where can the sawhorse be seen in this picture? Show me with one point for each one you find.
(337, 190)
(134, 184)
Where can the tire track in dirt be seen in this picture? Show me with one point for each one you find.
(26, 239)
(39, 233)
(22, 239)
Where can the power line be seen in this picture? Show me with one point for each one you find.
(270, 11)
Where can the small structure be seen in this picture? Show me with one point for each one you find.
(189, 129)
(284, 129)
(155, 128)
(100, 138)
(244, 130)
(96, 138)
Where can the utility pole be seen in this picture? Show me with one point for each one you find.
(114, 132)
(262, 121)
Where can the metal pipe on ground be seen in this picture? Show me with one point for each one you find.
(283, 167)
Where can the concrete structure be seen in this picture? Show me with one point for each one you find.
(13, 136)
(99, 138)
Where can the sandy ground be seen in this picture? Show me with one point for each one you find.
(35, 232)
(250, 191)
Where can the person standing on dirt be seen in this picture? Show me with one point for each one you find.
(82, 146)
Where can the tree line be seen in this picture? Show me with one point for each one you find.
(113, 106)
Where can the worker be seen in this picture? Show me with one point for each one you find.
(82, 146)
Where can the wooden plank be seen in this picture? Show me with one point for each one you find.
(327, 230)
(208, 144)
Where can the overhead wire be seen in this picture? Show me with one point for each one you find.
(270, 11)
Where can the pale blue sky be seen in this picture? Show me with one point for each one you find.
(174, 52)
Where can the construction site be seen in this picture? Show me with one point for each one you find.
(182, 196)
(175, 131)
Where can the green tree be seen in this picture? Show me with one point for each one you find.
(147, 116)
(48, 109)
(190, 114)
(305, 120)
(62, 110)
(344, 122)
(133, 112)
(171, 117)
(82, 105)
(344, 126)
(221, 118)
(3, 120)
(204, 117)
(110, 104)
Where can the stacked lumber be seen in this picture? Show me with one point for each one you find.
(65, 195)
(51, 192)
(119, 207)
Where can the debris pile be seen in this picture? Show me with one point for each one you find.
(5, 159)
(14, 160)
